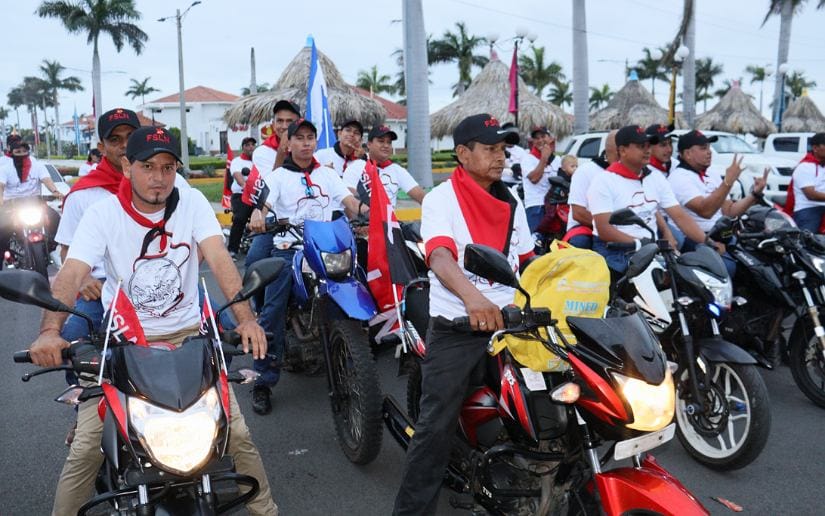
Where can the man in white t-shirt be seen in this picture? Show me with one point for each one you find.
(580, 220)
(149, 236)
(628, 183)
(346, 150)
(808, 187)
(473, 206)
(91, 162)
(393, 176)
(536, 168)
(240, 168)
(301, 189)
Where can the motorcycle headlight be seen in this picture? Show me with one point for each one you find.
(30, 215)
(652, 405)
(422, 248)
(179, 442)
(722, 290)
(337, 264)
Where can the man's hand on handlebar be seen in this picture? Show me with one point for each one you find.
(256, 221)
(91, 289)
(252, 337)
(484, 315)
(46, 350)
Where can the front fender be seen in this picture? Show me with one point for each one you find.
(650, 488)
(720, 350)
(353, 298)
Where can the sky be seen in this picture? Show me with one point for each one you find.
(357, 34)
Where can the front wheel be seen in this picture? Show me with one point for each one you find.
(808, 365)
(356, 410)
(36, 258)
(734, 427)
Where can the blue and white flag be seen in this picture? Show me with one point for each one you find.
(76, 130)
(317, 106)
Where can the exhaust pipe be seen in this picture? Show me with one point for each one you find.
(397, 422)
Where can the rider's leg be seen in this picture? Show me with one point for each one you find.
(272, 318)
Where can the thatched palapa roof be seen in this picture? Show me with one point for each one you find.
(631, 105)
(735, 113)
(490, 93)
(344, 102)
(802, 115)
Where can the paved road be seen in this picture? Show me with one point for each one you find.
(310, 475)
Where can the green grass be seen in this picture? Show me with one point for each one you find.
(212, 191)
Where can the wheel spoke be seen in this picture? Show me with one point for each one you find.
(738, 417)
(734, 398)
(722, 444)
(726, 383)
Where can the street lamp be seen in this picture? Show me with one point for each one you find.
(492, 37)
(780, 109)
(681, 53)
(184, 137)
(521, 33)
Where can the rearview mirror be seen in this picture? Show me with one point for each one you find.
(30, 288)
(259, 275)
(490, 264)
(626, 217)
(722, 230)
(641, 260)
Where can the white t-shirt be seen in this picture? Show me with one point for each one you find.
(534, 192)
(613, 192)
(394, 177)
(14, 189)
(441, 217)
(237, 165)
(688, 185)
(73, 209)
(164, 287)
(289, 199)
(329, 158)
(264, 159)
(579, 186)
(85, 169)
(517, 154)
(805, 175)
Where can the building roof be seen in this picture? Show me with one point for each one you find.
(395, 111)
(87, 122)
(198, 94)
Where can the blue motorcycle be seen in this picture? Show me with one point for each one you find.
(326, 324)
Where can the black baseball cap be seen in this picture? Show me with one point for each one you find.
(353, 123)
(145, 142)
(107, 122)
(631, 134)
(482, 128)
(539, 130)
(657, 133)
(693, 138)
(301, 122)
(381, 130)
(288, 105)
(248, 139)
(818, 139)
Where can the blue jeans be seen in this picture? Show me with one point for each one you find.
(617, 259)
(260, 248)
(76, 327)
(809, 218)
(534, 216)
(581, 241)
(677, 234)
(272, 317)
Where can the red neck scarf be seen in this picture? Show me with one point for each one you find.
(272, 142)
(620, 169)
(23, 173)
(246, 156)
(535, 152)
(124, 195)
(487, 217)
(790, 202)
(384, 164)
(659, 165)
(103, 176)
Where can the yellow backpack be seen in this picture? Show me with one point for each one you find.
(570, 282)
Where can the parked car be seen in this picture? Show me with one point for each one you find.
(59, 183)
(792, 146)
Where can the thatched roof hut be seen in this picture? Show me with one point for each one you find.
(490, 93)
(631, 105)
(803, 116)
(735, 113)
(344, 102)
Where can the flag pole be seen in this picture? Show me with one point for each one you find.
(108, 331)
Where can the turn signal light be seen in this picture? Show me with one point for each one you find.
(566, 393)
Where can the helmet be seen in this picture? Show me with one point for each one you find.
(765, 219)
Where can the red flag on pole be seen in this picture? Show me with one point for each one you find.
(125, 323)
(514, 83)
(255, 190)
(226, 200)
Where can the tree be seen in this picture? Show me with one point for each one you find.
(418, 105)
(259, 87)
(785, 9)
(758, 74)
(649, 68)
(599, 96)
(706, 72)
(374, 82)
(536, 74)
(52, 71)
(797, 83)
(581, 122)
(33, 93)
(16, 101)
(95, 18)
(561, 94)
(140, 89)
(458, 47)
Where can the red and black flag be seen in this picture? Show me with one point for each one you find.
(125, 326)
(226, 200)
(255, 191)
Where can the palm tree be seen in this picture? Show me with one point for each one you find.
(4, 114)
(16, 101)
(599, 96)
(52, 71)
(649, 68)
(418, 104)
(706, 72)
(458, 47)
(797, 83)
(580, 68)
(785, 9)
(95, 18)
(34, 93)
(140, 89)
(374, 82)
(561, 95)
(538, 75)
(758, 74)
(260, 88)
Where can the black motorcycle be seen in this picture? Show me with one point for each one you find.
(782, 267)
(29, 244)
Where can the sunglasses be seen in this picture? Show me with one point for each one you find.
(308, 188)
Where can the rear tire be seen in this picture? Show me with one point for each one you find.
(357, 411)
(808, 365)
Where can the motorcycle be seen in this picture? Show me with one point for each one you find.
(528, 442)
(782, 267)
(722, 407)
(165, 410)
(553, 225)
(29, 244)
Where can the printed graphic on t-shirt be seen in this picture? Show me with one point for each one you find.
(155, 287)
(312, 207)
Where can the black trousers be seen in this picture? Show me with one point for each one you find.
(451, 359)
(240, 216)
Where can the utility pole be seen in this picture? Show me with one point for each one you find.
(253, 87)
(184, 137)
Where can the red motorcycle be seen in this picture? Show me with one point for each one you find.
(529, 442)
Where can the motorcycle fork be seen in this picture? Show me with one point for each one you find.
(590, 452)
(819, 331)
(689, 357)
(323, 333)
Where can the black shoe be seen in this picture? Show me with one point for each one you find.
(260, 400)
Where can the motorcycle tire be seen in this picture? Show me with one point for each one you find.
(697, 432)
(37, 258)
(804, 356)
(414, 389)
(357, 413)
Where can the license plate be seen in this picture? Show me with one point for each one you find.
(643, 443)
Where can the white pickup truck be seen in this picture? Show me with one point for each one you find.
(792, 146)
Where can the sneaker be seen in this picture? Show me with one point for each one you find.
(260, 400)
(70, 435)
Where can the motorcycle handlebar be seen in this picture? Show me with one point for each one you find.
(24, 357)
(514, 317)
(233, 338)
